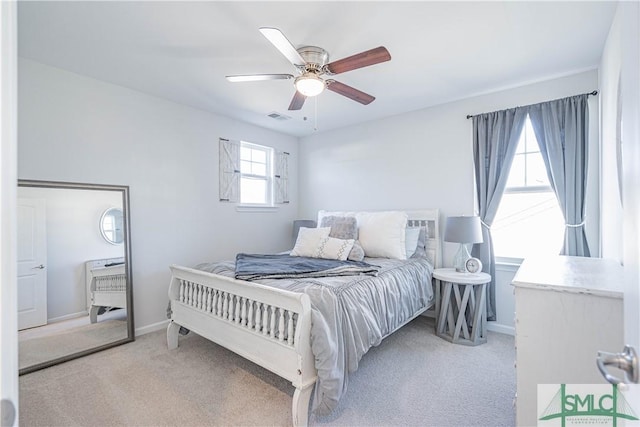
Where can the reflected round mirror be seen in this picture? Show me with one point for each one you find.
(111, 226)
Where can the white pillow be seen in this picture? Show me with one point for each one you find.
(309, 240)
(332, 248)
(412, 234)
(382, 234)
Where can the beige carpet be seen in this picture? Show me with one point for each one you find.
(62, 343)
(412, 378)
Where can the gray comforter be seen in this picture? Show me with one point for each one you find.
(283, 266)
(350, 314)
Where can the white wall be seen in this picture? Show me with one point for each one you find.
(425, 159)
(73, 238)
(612, 214)
(74, 128)
(9, 407)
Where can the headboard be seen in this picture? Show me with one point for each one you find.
(430, 220)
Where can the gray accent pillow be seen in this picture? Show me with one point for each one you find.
(357, 253)
(422, 244)
(345, 227)
(412, 235)
(342, 227)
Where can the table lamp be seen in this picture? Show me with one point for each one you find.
(463, 230)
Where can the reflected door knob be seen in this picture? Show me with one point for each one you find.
(627, 361)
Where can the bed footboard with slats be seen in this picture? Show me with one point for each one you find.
(106, 285)
(269, 326)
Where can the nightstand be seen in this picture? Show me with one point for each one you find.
(461, 315)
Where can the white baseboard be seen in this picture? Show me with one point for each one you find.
(68, 316)
(502, 329)
(491, 326)
(152, 328)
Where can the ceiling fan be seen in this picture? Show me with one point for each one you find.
(311, 63)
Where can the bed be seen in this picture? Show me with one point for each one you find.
(290, 327)
(106, 285)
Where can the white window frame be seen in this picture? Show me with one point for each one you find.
(268, 177)
(519, 190)
(230, 175)
(523, 189)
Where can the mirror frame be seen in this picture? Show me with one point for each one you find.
(124, 189)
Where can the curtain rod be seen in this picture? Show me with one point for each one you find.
(594, 93)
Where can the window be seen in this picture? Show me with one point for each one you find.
(529, 221)
(252, 174)
(256, 177)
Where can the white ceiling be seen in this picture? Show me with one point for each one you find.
(441, 51)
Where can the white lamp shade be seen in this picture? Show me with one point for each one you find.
(463, 229)
(309, 84)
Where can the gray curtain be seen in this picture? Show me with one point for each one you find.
(495, 139)
(562, 128)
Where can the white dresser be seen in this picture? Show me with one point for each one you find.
(567, 308)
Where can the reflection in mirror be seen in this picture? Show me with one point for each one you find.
(111, 226)
(74, 279)
(619, 139)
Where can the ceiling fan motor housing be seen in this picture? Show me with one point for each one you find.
(315, 57)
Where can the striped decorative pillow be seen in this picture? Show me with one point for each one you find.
(331, 248)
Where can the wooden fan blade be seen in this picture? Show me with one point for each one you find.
(349, 92)
(281, 43)
(362, 59)
(258, 77)
(297, 102)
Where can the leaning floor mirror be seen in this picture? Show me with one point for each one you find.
(74, 271)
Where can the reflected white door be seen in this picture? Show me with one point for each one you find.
(32, 262)
(628, 360)
(631, 173)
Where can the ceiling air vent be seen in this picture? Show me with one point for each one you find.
(278, 116)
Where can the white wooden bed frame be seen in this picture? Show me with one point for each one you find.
(245, 316)
(99, 270)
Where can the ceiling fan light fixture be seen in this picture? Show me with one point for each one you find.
(309, 84)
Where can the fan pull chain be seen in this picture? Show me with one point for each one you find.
(315, 119)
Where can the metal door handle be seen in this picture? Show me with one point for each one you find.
(39, 267)
(626, 361)
(7, 412)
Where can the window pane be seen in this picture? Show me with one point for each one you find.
(530, 137)
(528, 224)
(536, 171)
(259, 156)
(516, 174)
(259, 169)
(521, 145)
(256, 170)
(245, 153)
(253, 190)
